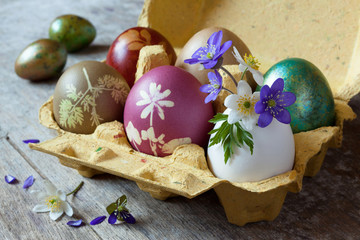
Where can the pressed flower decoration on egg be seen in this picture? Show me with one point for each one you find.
(246, 111)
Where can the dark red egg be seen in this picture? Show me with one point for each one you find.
(124, 51)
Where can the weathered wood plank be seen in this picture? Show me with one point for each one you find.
(16, 218)
(328, 207)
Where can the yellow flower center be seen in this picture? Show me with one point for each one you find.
(271, 103)
(252, 61)
(53, 203)
(246, 104)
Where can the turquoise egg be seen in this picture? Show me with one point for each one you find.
(314, 106)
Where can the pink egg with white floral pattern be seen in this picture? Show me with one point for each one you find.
(165, 109)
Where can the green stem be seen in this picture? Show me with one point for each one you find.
(243, 74)
(227, 90)
(229, 74)
(76, 189)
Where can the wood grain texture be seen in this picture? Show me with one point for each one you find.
(328, 207)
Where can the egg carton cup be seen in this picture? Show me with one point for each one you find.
(185, 172)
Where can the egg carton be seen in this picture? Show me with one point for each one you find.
(185, 172)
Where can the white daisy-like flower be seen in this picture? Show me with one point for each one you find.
(251, 64)
(154, 100)
(52, 200)
(242, 106)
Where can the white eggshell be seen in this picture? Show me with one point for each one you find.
(274, 153)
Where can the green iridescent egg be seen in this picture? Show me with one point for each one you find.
(42, 59)
(314, 106)
(73, 31)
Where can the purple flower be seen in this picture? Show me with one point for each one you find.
(124, 215)
(98, 220)
(77, 223)
(10, 179)
(209, 55)
(31, 141)
(273, 102)
(28, 182)
(214, 87)
(127, 217)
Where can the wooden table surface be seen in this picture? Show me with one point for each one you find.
(328, 207)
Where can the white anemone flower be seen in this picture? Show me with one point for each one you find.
(52, 200)
(251, 64)
(242, 106)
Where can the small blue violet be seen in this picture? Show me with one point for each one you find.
(31, 141)
(127, 217)
(10, 179)
(272, 104)
(209, 55)
(77, 223)
(98, 220)
(214, 87)
(28, 182)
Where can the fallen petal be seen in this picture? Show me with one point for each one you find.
(112, 218)
(31, 141)
(97, 220)
(28, 182)
(10, 179)
(77, 223)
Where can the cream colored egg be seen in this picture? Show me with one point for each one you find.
(274, 153)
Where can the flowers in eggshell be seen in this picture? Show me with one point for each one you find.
(246, 144)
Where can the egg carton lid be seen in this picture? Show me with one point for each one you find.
(324, 32)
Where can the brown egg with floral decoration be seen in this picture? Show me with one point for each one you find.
(200, 40)
(124, 51)
(87, 94)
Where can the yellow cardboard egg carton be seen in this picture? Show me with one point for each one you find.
(272, 31)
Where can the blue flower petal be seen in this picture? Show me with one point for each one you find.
(127, 217)
(218, 78)
(224, 48)
(265, 119)
(260, 107)
(286, 99)
(215, 38)
(112, 218)
(207, 88)
(28, 182)
(284, 116)
(209, 64)
(191, 61)
(277, 86)
(197, 54)
(31, 141)
(98, 220)
(264, 92)
(10, 179)
(210, 97)
(77, 223)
